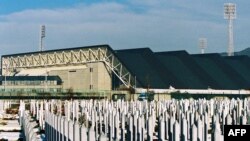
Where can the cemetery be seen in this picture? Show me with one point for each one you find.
(103, 120)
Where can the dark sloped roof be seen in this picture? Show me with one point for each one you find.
(147, 68)
(185, 69)
(243, 59)
(240, 64)
(220, 71)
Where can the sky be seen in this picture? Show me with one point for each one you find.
(162, 25)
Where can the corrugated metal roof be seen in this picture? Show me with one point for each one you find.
(240, 64)
(220, 71)
(177, 63)
(181, 70)
(147, 68)
(143, 70)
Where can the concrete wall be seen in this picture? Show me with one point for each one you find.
(104, 80)
(157, 97)
(82, 79)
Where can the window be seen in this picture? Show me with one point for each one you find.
(91, 69)
(90, 87)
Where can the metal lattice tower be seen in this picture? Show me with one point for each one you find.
(42, 36)
(202, 44)
(230, 15)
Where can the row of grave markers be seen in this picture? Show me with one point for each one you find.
(171, 120)
(4, 104)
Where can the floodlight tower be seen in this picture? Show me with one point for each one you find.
(230, 15)
(42, 36)
(202, 44)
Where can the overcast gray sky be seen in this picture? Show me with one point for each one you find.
(162, 25)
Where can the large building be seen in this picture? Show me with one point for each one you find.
(80, 69)
(102, 68)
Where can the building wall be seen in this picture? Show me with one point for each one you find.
(94, 77)
(104, 77)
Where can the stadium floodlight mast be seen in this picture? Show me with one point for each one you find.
(230, 15)
(42, 36)
(202, 44)
(41, 48)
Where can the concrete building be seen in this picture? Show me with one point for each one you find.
(80, 69)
